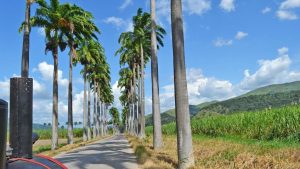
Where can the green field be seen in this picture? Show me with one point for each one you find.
(270, 124)
(62, 133)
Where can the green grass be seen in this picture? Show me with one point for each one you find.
(263, 144)
(41, 149)
(62, 133)
(281, 124)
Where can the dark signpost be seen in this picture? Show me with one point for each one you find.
(21, 117)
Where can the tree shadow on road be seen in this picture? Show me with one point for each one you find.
(113, 154)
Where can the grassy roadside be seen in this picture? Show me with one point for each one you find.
(63, 147)
(220, 152)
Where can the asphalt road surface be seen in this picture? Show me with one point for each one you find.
(112, 153)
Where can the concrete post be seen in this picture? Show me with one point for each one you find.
(3, 133)
(21, 117)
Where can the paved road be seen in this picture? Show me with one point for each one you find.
(113, 153)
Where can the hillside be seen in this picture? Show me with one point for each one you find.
(276, 88)
(272, 96)
(169, 116)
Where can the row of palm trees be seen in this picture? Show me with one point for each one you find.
(135, 52)
(115, 119)
(70, 26)
(137, 48)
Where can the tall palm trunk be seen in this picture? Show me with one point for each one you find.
(95, 112)
(98, 122)
(25, 50)
(84, 108)
(157, 134)
(134, 100)
(139, 103)
(129, 114)
(130, 109)
(126, 122)
(55, 101)
(133, 108)
(129, 118)
(142, 91)
(104, 118)
(184, 135)
(101, 119)
(70, 98)
(89, 113)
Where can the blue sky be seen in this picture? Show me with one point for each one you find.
(232, 46)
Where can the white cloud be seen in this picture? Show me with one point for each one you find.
(129, 26)
(197, 7)
(46, 71)
(289, 4)
(222, 42)
(286, 15)
(240, 35)
(266, 10)
(41, 31)
(4, 89)
(202, 88)
(78, 103)
(118, 22)
(285, 10)
(192, 7)
(227, 5)
(270, 72)
(117, 93)
(126, 25)
(163, 11)
(283, 51)
(125, 4)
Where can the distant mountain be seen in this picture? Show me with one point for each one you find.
(169, 116)
(266, 97)
(276, 88)
(272, 96)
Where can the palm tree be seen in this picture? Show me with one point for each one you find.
(87, 55)
(51, 18)
(81, 27)
(126, 86)
(128, 55)
(184, 134)
(89, 113)
(135, 52)
(105, 94)
(115, 117)
(124, 117)
(75, 123)
(157, 133)
(142, 40)
(143, 32)
(25, 50)
(108, 98)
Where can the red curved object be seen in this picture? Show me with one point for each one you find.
(30, 161)
(53, 160)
